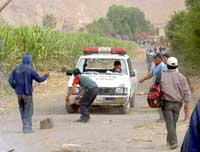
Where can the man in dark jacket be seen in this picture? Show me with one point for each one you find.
(90, 93)
(191, 142)
(21, 80)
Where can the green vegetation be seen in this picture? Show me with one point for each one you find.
(121, 22)
(50, 49)
(191, 3)
(183, 32)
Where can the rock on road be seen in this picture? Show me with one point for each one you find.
(137, 131)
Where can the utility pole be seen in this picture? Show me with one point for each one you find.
(4, 5)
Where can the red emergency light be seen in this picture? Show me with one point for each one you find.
(104, 50)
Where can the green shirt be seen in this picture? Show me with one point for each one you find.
(84, 82)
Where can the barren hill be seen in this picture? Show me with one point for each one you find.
(76, 13)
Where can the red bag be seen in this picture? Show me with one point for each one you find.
(154, 96)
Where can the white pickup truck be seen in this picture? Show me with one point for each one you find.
(115, 88)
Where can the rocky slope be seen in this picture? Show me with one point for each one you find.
(76, 13)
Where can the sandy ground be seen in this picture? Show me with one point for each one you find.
(137, 131)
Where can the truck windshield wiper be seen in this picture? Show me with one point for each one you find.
(91, 72)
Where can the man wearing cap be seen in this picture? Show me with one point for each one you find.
(149, 58)
(90, 93)
(174, 90)
(156, 70)
(21, 80)
(165, 57)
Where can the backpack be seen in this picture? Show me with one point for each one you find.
(154, 94)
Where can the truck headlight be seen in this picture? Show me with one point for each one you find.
(121, 91)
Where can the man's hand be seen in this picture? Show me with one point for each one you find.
(47, 74)
(67, 99)
(77, 97)
(148, 76)
(186, 111)
(141, 80)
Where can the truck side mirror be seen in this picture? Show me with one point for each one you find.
(69, 72)
(132, 74)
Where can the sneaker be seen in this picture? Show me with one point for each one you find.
(160, 120)
(83, 120)
(174, 146)
(27, 131)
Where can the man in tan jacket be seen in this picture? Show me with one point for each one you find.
(174, 90)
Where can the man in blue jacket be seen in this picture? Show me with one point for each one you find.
(21, 80)
(191, 142)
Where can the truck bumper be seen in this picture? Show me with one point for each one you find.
(107, 101)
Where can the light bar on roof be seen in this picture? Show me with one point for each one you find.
(104, 50)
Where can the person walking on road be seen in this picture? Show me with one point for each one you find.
(21, 79)
(89, 95)
(165, 57)
(156, 70)
(149, 58)
(174, 90)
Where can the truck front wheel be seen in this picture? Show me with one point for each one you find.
(71, 108)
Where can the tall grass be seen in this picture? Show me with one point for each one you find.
(50, 49)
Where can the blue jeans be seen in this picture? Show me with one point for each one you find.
(86, 101)
(26, 111)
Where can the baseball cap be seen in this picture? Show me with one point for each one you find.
(172, 61)
(157, 54)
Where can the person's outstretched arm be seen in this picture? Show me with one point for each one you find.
(39, 78)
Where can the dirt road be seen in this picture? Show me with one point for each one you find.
(136, 131)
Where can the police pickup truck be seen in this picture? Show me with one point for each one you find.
(115, 88)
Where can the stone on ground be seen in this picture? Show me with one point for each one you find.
(46, 124)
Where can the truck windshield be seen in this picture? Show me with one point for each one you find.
(106, 66)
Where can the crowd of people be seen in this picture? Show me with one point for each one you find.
(175, 90)
(175, 93)
(163, 51)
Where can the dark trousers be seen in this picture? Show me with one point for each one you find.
(171, 113)
(26, 110)
(85, 102)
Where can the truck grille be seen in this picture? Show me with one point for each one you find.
(106, 91)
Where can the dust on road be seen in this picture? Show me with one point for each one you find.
(136, 131)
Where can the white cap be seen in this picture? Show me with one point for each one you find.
(172, 61)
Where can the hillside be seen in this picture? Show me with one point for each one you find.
(76, 13)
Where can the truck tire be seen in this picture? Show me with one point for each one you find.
(71, 108)
(125, 108)
(132, 101)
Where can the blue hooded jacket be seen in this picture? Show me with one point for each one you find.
(191, 141)
(22, 77)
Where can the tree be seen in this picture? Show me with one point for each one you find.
(102, 27)
(176, 22)
(183, 31)
(121, 22)
(191, 3)
(129, 21)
